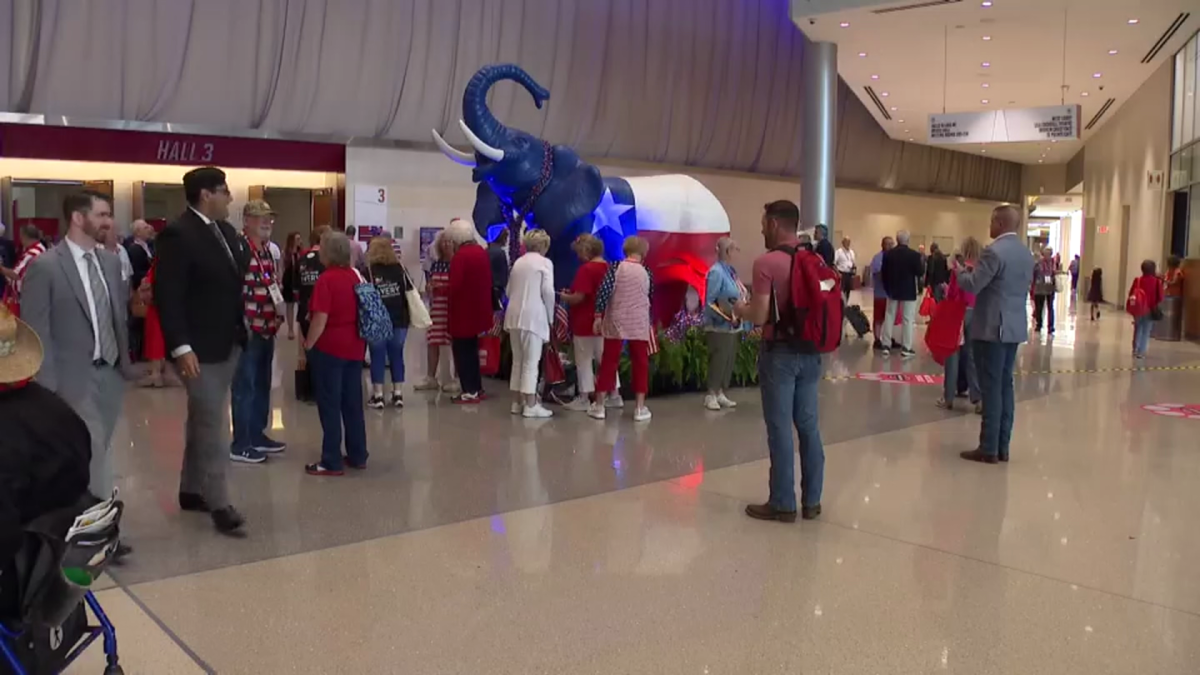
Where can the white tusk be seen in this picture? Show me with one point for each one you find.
(494, 154)
(455, 155)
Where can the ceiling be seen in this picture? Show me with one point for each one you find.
(930, 59)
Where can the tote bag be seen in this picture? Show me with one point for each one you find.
(418, 313)
(946, 325)
(374, 321)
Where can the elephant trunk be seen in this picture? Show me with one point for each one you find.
(479, 117)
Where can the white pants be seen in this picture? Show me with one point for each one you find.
(909, 310)
(588, 352)
(527, 354)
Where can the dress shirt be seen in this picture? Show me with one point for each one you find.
(184, 349)
(843, 260)
(81, 264)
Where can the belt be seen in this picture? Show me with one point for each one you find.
(100, 363)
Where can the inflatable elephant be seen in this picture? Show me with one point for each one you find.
(521, 177)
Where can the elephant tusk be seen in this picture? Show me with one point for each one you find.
(494, 154)
(455, 155)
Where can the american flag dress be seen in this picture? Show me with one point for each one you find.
(439, 304)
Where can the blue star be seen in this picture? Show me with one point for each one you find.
(608, 215)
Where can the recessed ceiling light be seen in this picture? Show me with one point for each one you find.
(983, 149)
(984, 101)
(906, 131)
(1053, 140)
(987, 38)
(884, 94)
(1084, 93)
(1097, 75)
(893, 108)
(985, 85)
(900, 121)
(986, 64)
(986, 3)
(862, 55)
(1132, 22)
(1041, 161)
(1112, 52)
(910, 140)
(844, 24)
(874, 77)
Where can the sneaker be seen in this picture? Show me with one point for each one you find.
(319, 470)
(878, 346)
(247, 456)
(375, 403)
(885, 352)
(614, 401)
(596, 412)
(642, 414)
(907, 353)
(451, 388)
(468, 399)
(726, 402)
(427, 384)
(397, 400)
(580, 404)
(269, 446)
(944, 404)
(710, 403)
(538, 412)
(516, 408)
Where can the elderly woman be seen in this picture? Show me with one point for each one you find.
(437, 288)
(623, 315)
(588, 343)
(392, 281)
(470, 296)
(335, 356)
(721, 325)
(528, 319)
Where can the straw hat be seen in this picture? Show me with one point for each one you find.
(20, 349)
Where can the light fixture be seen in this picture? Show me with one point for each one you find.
(985, 85)
(984, 101)
(983, 150)
(874, 77)
(987, 38)
(1112, 52)
(862, 55)
(900, 121)
(884, 94)
(1132, 22)
(910, 140)
(844, 24)
(1041, 161)
(986, 64)
(1083, 93)
(893, 108)
(906, 131)
(1097, 75)
(986, 3)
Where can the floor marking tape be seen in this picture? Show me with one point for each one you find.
(1067, 371)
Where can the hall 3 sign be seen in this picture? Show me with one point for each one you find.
(1018, 125)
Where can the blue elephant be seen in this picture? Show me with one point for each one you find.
(521, 177)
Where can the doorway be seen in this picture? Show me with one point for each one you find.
(40, 202)
(1179, 224)
(158, 203)
(299, 210)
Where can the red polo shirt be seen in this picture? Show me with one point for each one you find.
(470, 292)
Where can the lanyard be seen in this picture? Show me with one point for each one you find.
(262, 274)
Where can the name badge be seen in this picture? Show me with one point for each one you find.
(1048, 280)
(276, 294)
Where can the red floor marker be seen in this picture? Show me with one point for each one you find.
(1189, 411)
(901, 378)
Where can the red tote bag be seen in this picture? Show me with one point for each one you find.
(946, 325)
(489, 356)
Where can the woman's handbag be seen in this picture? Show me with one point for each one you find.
(374, 321)
(418, 313)
(928, 304)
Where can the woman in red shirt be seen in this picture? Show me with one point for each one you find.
(582, 301)
(470, 307)
(335, 356)
(1151, 287)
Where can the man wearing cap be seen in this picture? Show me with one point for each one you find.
(263, 299)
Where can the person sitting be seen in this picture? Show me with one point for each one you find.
(528, 320)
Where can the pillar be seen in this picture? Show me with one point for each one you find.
(819, 135)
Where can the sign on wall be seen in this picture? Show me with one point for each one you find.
(370, 206)
(1019, 125)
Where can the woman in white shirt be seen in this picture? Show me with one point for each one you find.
(528, 319)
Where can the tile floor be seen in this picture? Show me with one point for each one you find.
(482, 543)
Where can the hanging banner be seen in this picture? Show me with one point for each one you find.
(1019, 125)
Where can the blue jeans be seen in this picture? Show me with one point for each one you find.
(995, 362)
(962, 361)
(250, 395)
(392, 350)
(1141, 334)
(338, 384)
(788, 382)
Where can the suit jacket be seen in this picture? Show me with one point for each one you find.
(198, 289)
(139, 259)
(1000, 282)
(902, 267)
(54, 303)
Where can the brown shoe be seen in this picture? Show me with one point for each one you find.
(810, 512)
(978, 455)
(768, 512)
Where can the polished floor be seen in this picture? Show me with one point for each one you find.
(482, 543)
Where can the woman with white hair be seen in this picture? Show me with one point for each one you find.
(437, 287)
(470, 306)
(721, 325)
(528, 320)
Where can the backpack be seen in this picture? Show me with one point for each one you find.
(812, 318)
(1137, 304)
(374, 321)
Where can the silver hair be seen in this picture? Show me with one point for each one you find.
(462, 232)
(724, 244)
(902, 237)
(804, 238)
(335, 248)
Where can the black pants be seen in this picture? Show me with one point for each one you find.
(847, 285)
(466, 360)
(1041, 305)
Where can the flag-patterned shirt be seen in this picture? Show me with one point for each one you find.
(27, 257)
(261, 315)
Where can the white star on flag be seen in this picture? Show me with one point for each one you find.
(608, 214)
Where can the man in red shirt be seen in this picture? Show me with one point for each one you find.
(471, 313)
(263, 300)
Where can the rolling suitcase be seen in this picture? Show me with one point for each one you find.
(858, 320)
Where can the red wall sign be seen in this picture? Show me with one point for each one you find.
(34, 141)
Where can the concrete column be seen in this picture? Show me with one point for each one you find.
(819, 135)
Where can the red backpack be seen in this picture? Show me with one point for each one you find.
(1138, 305)
(812, 318)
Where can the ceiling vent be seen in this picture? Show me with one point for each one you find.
(916, 5)
(878, 103)
(1166, 37)
(1100, 113)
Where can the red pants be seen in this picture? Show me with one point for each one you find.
(639, 356)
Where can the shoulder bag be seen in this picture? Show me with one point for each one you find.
(418, 313)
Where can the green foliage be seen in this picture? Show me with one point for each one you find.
(683, 366)
(745, 367)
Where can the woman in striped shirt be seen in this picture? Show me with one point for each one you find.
(623, 315)
(437, 285)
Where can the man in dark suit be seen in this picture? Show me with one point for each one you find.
(198, 293)
(902, 270)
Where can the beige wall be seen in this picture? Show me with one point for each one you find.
(1135, 141)
(1042, 179)
(427, 190)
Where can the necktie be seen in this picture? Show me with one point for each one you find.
(104, 316)
(216, 230)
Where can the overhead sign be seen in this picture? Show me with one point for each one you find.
(1020, 125)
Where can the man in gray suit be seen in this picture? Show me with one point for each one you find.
(74, 299)
(1000, 279)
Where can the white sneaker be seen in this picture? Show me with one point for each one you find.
(596, 412)
(536, 412)
(614, 401)
(451, 388)
(642, 414)
(427, 384)
(517, 408)
(579, 404)
(710, 403)
(724, 402)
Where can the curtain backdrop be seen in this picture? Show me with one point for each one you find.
(708, 83)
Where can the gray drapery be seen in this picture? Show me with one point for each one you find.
(706, 83)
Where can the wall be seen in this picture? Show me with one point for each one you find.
(427, 190)
(1135, 141)
(1042, 179)
(125, 175)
